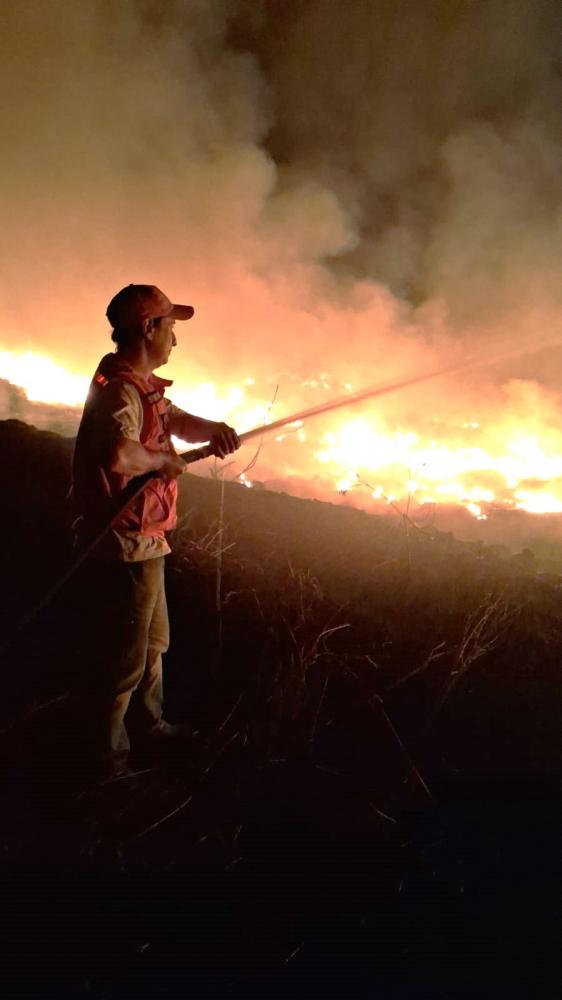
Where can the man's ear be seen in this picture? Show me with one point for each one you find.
(148, 328)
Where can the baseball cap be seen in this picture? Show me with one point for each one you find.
(136, 303)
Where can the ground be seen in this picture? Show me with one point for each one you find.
(366, 805)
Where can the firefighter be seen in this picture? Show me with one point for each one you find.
(125, 431)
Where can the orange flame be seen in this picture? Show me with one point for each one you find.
(509, 465)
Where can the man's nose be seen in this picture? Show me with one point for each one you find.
(174, 339)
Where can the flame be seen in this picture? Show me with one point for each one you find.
(538, 503)
(508, 465)
(43, 379)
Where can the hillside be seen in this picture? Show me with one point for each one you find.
(371, 780)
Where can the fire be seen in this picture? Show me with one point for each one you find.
(43, 379)
(480, 467)
(538, 503)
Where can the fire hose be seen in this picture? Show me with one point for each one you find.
(136, 485)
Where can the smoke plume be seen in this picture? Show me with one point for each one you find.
(353, 191)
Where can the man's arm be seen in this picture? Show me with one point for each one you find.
(131, 458)
(223, 438)
(120, 423)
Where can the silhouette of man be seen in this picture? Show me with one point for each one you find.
(125, 431)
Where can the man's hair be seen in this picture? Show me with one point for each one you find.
(125, 336)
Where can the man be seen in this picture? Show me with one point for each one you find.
(125, 431)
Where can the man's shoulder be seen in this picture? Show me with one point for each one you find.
(117, 392)
(115, 406)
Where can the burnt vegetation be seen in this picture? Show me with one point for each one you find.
(367, 798)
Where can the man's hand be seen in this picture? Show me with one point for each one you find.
(224, 440)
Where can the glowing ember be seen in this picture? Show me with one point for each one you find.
(514, 464)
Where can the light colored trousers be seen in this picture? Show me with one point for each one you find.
(129, 631)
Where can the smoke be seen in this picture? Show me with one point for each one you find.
(437, 126)
(360, 189)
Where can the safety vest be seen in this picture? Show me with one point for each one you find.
(154, 511)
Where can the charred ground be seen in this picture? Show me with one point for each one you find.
(368, 801)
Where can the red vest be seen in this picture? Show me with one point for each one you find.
(154, 512)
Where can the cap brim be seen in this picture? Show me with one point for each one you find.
(181, 312)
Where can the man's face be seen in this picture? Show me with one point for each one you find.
(163, 339)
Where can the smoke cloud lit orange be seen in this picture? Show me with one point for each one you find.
(372, 197)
